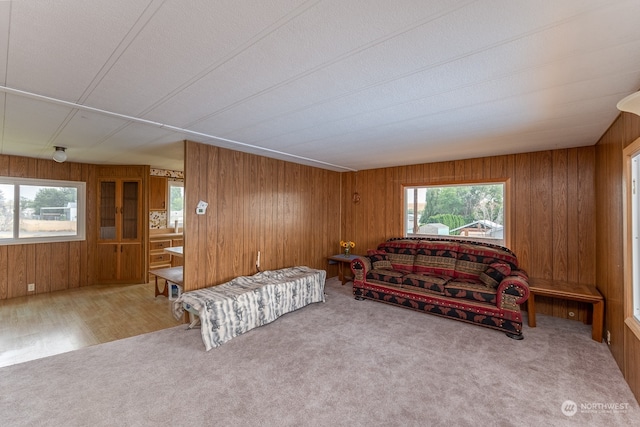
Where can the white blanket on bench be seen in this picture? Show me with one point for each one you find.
(247, 302)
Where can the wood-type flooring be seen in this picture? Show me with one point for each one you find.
(43, 325)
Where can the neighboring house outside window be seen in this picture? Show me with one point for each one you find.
(470, 210)
(37, 210)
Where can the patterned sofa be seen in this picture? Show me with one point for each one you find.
(470, 281)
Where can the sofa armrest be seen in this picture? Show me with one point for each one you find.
(359, 268)
(513, 290)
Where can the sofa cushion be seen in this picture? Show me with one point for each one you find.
(473, 259)
(401, 253)
(380, 261)
(428, 282)
(470, 289)
(494, 274)
(437, 258)
(384, 276)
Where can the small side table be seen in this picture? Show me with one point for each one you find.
(170, 275)
(341, 260)
(569, 291)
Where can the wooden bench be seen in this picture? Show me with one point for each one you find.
(569, 291)
(247, 302)
(170, 275)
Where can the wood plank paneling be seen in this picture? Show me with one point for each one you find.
(75, 267)
(609, 239)
(43, 272)
(521, 212)
(31, 263)
(585, 216)
(290, 212)
(560, 215)
(60, 277)
(17, 277)
(632, 362)
(573, 216)
(541, 224)
(87, 268)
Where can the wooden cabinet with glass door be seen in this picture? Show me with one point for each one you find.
(119, 251)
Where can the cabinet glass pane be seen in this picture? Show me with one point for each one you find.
(107, 210)
(130, 209)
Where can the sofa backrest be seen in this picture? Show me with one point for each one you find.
(436, 257)
(450, 257)
(401, 253)
(474, 258)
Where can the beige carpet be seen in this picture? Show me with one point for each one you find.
(343, 362)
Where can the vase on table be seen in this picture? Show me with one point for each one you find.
(347, 251)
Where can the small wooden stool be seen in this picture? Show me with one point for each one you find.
(569, 291)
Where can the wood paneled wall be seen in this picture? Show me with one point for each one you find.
(288, 212)
(610, 242)
(552, 209)
(51, 266)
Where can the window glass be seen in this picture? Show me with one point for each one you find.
(6, 211)
(474, 211)
(40, 210)
(176, 203)
(635, 230)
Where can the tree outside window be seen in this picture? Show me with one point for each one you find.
(470, 210)
(176, 203)
(34, 210)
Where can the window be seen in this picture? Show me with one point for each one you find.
(36, 211)
(176, 203)
(631, 230)
(470, 210)
(634, 195)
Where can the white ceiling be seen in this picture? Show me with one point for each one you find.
(341, 84)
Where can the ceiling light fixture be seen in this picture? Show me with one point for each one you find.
(60, 155)
(630, 104)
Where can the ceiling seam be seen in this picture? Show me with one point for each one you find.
(411, 73)
(59, 129)
(127, 40)
(440, 93)
(234, 53)
(6, 72)
(335, 60)
(422, 116)
(111, 61)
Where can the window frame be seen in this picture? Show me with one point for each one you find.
(81, 188)
(506, 204)
(171, 183)
(631, 289)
